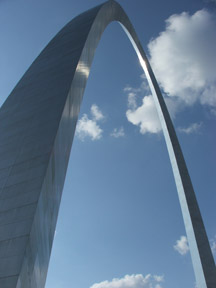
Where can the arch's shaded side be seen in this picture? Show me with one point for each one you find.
(37, 124)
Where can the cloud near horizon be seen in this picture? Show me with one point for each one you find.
(132, 281)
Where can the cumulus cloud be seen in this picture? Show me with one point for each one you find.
(192, 128)
(183, 57)
(117, 133)
(145, 116)
(89, 128)
(181, 245)
(132, 281)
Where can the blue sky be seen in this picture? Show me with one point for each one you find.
(120, 216)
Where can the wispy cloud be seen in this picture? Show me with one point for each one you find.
(132, 100)
(193, 128)
(128, 88)
(134, 280)
(117, 133)
(181, 245)
(89, 128)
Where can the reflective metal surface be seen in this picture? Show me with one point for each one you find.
(37, 124)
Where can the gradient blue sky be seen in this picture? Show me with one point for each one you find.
(120, 213)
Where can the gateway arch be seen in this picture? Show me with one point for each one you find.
(37, 125)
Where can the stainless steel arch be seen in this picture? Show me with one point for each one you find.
(37, 126)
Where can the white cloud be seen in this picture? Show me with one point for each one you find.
(181, 245)
(145, 116)
(96, 113)
(131, 281)
(193, 128)
(116, 133)
(183, 57)
(89, 127)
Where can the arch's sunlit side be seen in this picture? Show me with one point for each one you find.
(37, 125)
